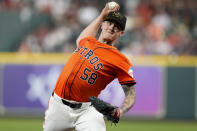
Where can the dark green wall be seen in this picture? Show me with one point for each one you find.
(180, 92)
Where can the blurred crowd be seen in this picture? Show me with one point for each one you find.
(158, 27)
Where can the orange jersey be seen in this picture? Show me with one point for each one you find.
(91, 67)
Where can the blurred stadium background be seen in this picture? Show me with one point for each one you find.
(38, 36)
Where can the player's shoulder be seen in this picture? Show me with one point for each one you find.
(88, 39)
(121, 56)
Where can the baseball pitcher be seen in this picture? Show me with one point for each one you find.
(95, 63)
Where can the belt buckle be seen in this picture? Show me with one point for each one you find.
(78, 105)
(75, 106)
(72, 105)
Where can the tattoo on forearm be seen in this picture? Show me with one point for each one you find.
(130, 98)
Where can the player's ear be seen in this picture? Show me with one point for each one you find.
(121, 33)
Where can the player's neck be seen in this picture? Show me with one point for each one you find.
(105, 41)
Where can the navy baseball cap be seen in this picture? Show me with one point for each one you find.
(118, 18)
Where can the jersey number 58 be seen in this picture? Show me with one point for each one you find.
(89, 76)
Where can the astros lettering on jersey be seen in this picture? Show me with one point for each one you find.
(91, 67)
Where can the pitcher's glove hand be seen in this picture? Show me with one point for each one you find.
(112, 113)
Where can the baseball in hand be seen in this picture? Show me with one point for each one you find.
(112, 5)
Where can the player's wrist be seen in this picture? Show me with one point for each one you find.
(121, 112)
(104, 13)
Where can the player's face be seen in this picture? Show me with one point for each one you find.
(110, 31)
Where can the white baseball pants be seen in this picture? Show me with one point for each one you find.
(60, 117)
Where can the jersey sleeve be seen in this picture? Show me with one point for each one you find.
(125, 73)
(89, 39)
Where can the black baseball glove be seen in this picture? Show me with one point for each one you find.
(111, 112)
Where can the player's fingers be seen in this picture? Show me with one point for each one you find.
(116, 8)
(117, 113)
(107, 6)
(106, 10)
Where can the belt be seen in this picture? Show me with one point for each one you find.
(72, 105)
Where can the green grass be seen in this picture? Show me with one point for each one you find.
(22, 124)
(154, 126)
